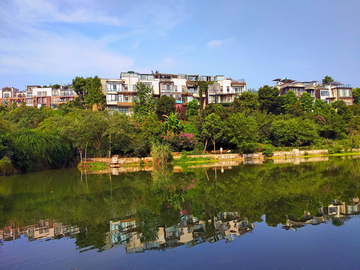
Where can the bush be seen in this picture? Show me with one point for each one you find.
(6, 166)
(161, 154)
(268, 151)
(335, 149)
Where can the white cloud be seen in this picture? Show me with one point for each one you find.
(43, 37)
(220, 42)
(168, 62)
(214, 43)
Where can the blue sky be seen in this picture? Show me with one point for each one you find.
(47, 42)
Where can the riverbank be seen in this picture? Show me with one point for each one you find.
(225, 161)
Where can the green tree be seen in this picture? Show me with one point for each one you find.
(79, 86)
(143, 102)
(94, 95)
(192, 109)
(246, 102)
(172, 124)
(151, 128)
(242, 131)
(165, 106)
(212, 128)
(268, 98)
(293, 132)
(356, 95)
(327, 80)
(89, 91)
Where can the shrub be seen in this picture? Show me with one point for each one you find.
(161, 154)
(6, 166)
(268, 151)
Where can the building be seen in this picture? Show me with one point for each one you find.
(8, 93)
(37, 96)
(184, 88)
(327, 93)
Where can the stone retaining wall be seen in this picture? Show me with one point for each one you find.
(297, 152)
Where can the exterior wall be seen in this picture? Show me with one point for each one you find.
(184, 88)
(327, 93)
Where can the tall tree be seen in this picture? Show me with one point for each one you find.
(192, 108)
(327, 80)
(356, 95)
(165, 105)
(306, 102)
(268, 98)
(212, 128)
(94, 95)
(143, 102)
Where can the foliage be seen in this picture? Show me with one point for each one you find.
(268, 151)
(161, 154)
(89, 91)
(293, 132)
(192, 108)
(143, 102)
(268, 98)
(306, 102)
(172, 124)
(242, 131)
(165, 106)
(212, 128)
(327, 80)
(6, 167)
(356, 95)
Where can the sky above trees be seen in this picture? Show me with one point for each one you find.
(46, 42)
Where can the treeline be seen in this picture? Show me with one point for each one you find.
(35, 139)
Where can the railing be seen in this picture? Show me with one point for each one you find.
(167, 91)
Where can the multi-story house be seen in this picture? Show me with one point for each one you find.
(328, 93)
(61, 95)
(299, 88)
(8, 93)
(184, 88)
(335, 91)
(225, 90)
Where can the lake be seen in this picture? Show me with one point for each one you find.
(276, 215)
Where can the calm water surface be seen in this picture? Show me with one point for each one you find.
(269, 216)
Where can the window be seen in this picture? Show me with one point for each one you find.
(183, 88)
(221, 89)
(228, 89)
(176, 88)
(126, 99)
(111, 98)
(114, 87)
(29, 101)
(29, 94)
(324, 93)
(55, 100)
(44, 94)
(120, 109)
(6, 95)
(134, 87)
(344, 93)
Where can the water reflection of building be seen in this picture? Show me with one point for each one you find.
(190, 232)
(44, 229)
(337, 212)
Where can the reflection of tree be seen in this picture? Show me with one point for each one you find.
(147, 224)
(337, 222)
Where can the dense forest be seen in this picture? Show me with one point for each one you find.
(36, 139)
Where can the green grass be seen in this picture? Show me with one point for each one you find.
(200, 160)
(96, 166)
